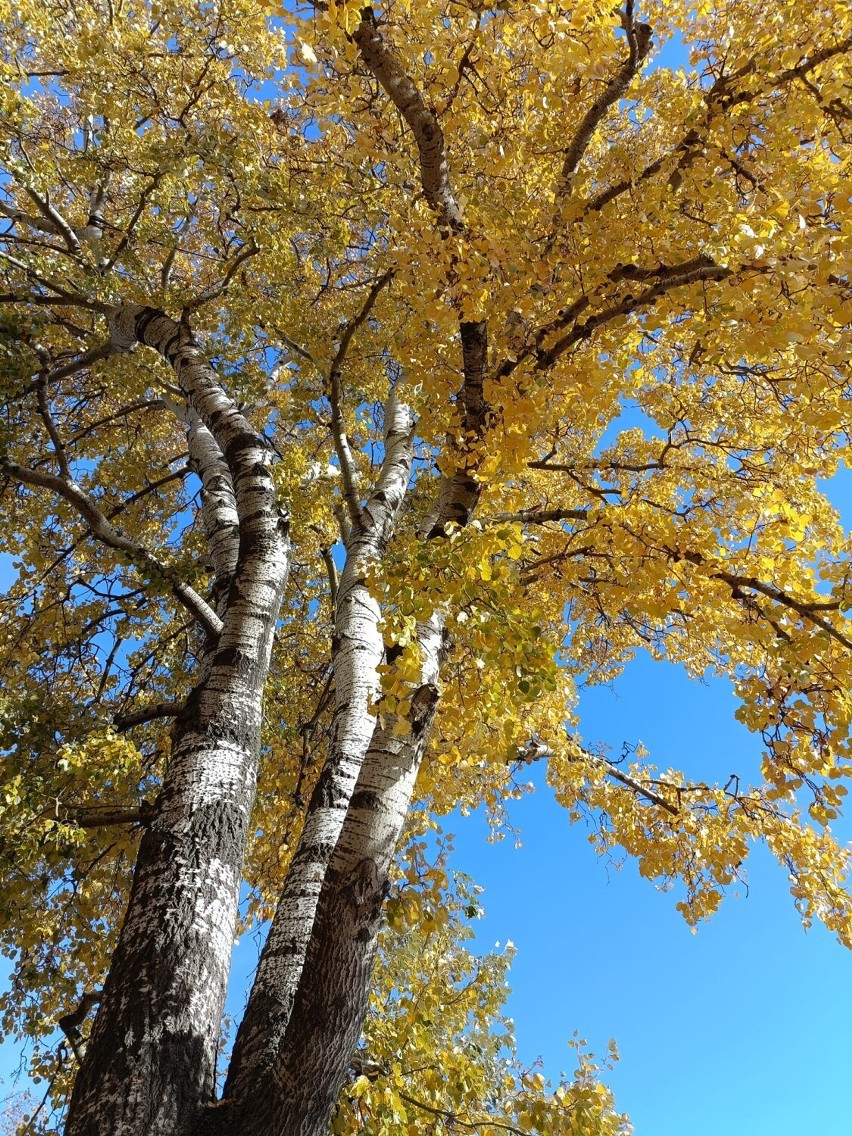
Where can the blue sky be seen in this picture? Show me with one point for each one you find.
(741, 1028)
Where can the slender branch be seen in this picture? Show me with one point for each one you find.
(536, 516)
(333, 576)
(534, 752)
(102, 816)
(639, 40)
(719, 98)
(93, 355)
(134, 221)
(151, 487)
(51, 427)
(208, 295)
(387, 69)
(102, 530)
(294, 346)
(629, 304)
(335, 396)
(70, 1023)
(18, 216)
(807, 610)
(147, 714)
(55, 217)
(453, 1120)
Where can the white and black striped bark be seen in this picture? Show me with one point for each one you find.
(330, 1003)
(358, 650)
(150, 1064)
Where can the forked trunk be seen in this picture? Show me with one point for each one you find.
(149, 1068)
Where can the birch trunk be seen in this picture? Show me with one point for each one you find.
(150, 1064)
(330, 1003)
(358, 649)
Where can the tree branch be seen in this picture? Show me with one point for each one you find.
(52, 215)
(536, 516)
(385, 66)
(249, 250)
(535, 752)
(101, 529)
(807, 610)
(718, 98)
(147, 714)
(102, 816)
(680, 276)
(335, 397)
(639, 41)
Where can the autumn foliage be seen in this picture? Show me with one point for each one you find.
(531, 324)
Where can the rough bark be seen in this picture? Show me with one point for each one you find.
(358, 650)
(150, 1064)
(328, 1010)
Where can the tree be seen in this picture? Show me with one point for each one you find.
(374, 377)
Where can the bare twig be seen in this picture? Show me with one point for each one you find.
(335, 396)
(102, 530)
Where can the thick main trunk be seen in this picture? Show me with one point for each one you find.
(149, 1067)
(150, 1062)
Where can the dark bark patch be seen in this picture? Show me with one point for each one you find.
(242, 440)
(364, 799)
(232, 658)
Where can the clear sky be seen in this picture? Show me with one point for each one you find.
(742, 1028)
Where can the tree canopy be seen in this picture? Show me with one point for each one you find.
(375, 379)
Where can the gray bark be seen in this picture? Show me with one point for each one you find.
(150, 1063)
(358, 650)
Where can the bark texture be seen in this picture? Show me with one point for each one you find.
(330, 1003)
(358, 650)
(150, 1064)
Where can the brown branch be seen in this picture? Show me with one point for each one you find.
(134, 221)
(452, 1119)
(101, 529)
(459, 493)
(718, 98)
(639, 40)
(102, 816)
(71, 1022)
(208, 296)
(807, 610)
(335, 396)
(147, 714)
(536, 516)
(384, 64)
(535, 752)
(629, 304)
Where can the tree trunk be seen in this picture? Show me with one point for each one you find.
(358, 649)
(330, 1004)
(150, 1064)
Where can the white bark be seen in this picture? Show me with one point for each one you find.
(327, 1013)
(219, 515)
(149, 1067)
(357, 652)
